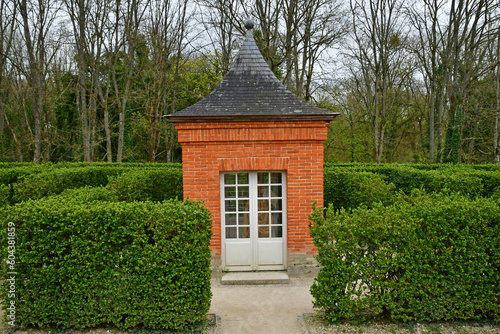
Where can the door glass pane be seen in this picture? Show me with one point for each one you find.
(270, 205)
(275, 177)
(231, 206)
(230, 192)
(243, 178)
(244, 232)
(244, 219)
(230, 232)
(275, 191)
(230, 219)
(263, 191)
(243, 192)
(243, 205)
(277, 218)
(263, 218)
(276, 232)
(263, 205)
(230, 178)
(263, 232)
(262, 178)
(276, 204)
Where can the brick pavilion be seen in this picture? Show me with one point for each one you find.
(253, 152)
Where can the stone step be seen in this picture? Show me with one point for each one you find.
(255, 277)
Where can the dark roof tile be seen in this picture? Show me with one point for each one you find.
(250, 90)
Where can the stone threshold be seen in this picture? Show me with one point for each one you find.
(255, 278)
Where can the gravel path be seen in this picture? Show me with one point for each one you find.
(262, 308)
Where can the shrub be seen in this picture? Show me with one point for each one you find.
(350, 189)
(128, 264)
(464, 179)
(4, 194)
(87, 194)
(423, 258)
(12, 175)
(147, 185)
(55, 181)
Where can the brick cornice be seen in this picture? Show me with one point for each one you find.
(252, 131)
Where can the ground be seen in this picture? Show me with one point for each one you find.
(283, 308)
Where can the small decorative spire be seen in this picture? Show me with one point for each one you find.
(249, 24)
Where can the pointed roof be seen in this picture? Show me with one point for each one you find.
(250, 91)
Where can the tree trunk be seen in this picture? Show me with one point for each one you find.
(35, 83)
(432, 116)
(496, 144)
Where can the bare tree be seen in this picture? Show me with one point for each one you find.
(465, 50)
(219, 19)
(324, 24)
(495, 53)
(79, 12)
(167, 31)
(268, 14)
(378, 36)
(37, 19)
(101, 78)
(131, 14)
(425, 17)
(7, 25)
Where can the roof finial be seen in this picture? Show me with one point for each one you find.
(249, 24)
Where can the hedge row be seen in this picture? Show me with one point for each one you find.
(346, 185)
(129, 182)
(50, 165)
(147, 185)
(423, 258)
(376, 166)
(81, 264)
(351, 186)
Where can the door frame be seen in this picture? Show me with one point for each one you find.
(254, 226)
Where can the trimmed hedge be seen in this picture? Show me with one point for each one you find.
(143, 183)
(147, 185)
(423, 258)
(129, 264)
(462, 179)
(86, 195)
(350, 189)
(12, 175)
(55, 181)
(4, 194)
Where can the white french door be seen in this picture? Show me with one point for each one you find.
(253, 207)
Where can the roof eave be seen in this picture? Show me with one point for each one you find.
(251, 118)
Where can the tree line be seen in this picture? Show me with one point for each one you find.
(90, 80)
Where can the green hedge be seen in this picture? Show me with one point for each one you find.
(464, 179)
(147, 184)
(87, 194)
(133, 265)
(141, 182)
(12, 175)
(423, 258)
(4, 194)
(57, 180)
(350, 189)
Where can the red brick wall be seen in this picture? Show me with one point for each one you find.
(295, 147)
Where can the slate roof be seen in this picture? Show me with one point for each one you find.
(250, 91)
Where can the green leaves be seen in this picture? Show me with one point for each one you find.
(147, 184)
(424, 258)
(85, 263)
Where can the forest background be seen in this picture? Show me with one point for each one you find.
(90, 80)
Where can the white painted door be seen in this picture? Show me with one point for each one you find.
(253, 220)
